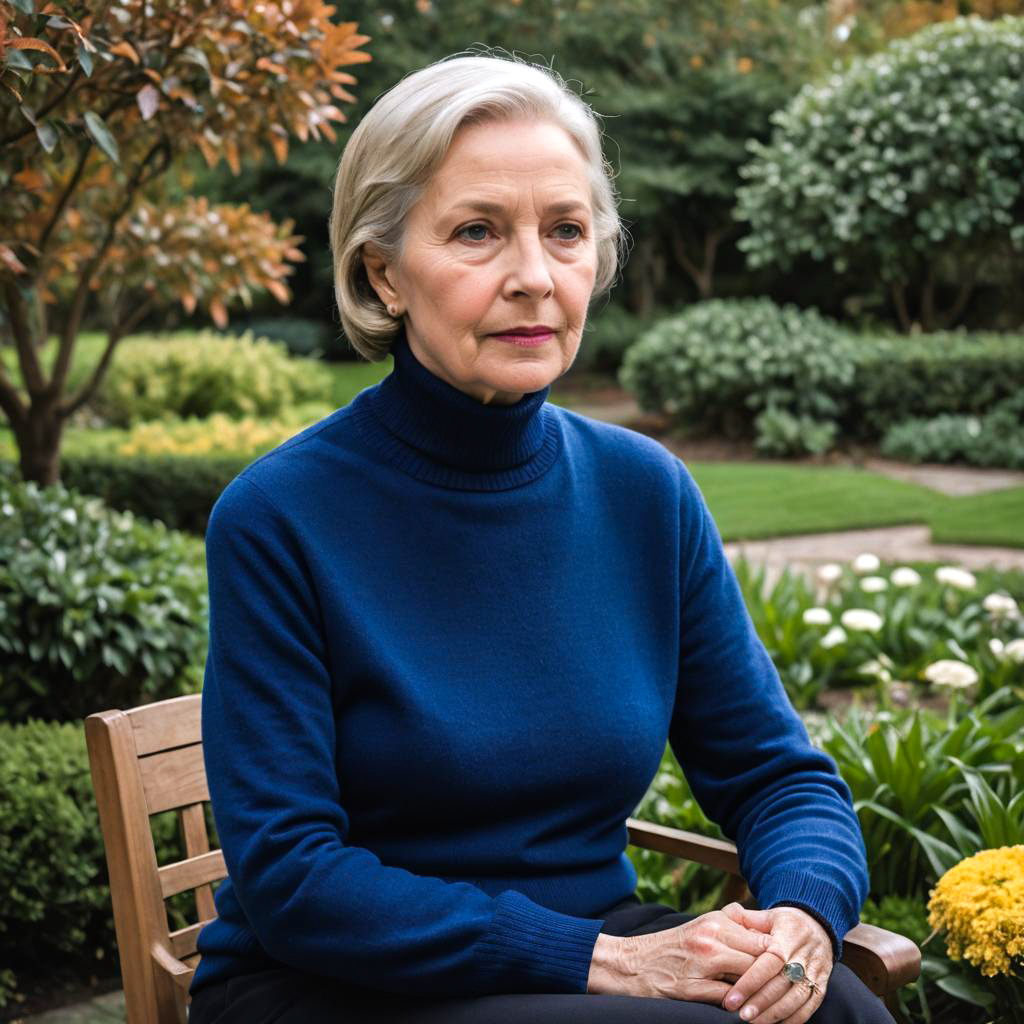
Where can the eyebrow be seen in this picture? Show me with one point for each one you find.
(485, 206)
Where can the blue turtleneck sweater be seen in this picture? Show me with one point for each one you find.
(448, 644)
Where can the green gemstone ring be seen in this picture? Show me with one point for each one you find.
(794, 972)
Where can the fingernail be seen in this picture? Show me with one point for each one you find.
(733, 1001)
(748, 1013)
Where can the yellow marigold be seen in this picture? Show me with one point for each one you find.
(980, 904)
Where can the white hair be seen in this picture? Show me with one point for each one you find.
(403, 139)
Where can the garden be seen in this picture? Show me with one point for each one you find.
(827, 238)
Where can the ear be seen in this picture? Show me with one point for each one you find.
(378, 271)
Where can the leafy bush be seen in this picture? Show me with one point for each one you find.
(781, 433)
(899, 161)
(932, 375)
(177, 490)
(56, 917)
(202, 374)
(218, 434)
(993, 440)
(97, 608)
(721, 364)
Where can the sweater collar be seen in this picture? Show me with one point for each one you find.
(440, 433)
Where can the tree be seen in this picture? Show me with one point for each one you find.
(100, 102)
(903, 169)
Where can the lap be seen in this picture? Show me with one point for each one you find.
(286, 996)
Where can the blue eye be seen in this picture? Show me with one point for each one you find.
(472, 227)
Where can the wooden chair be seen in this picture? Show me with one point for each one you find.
(150, 759)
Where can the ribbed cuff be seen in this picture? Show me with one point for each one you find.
(533, 949)
(826, 903)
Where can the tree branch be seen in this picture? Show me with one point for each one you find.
(70, 332)
(952, 314)
(24, 343)
(58, 210)
(43, 110)
(10, 401)
(116, 333)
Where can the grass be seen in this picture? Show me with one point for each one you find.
(748, 500)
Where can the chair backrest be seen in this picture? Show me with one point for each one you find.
(146, 761)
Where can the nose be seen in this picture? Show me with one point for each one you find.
(528, 272)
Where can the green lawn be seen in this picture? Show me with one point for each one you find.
(752, 501)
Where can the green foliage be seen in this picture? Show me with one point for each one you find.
(900, 161)
(933, 375)
(781, 433)
(177, 490)
(56, 919)
(200, 374)
(97, 608)
(305, 338)
(721, 364)
(607, 335)
(996, 439)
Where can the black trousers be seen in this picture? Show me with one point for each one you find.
(287, 996)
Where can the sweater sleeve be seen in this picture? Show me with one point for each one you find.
(745, 751)
(313, 901)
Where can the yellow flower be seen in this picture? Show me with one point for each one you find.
(744, 65)
(980, 904)
(696, 62)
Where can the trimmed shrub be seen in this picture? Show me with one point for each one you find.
(721, 364)
(307, 339)
(899, 378)
(607, 336)
(993, 440)
(201, 374)
(97, 608)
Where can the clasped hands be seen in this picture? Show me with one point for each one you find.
(731, 958)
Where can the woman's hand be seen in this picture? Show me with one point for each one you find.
(766, 996)
(696, 961)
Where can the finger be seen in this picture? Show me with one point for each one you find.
(753, 943)
(764, 969)
(770, 994)
(806, 1011)
(791, 1003)
(759, 919)
(704, 990)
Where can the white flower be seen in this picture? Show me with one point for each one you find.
(904, 576)
(862, 620)
(7, 509)
(817, 617)
(835, 636)
(830, 572)
(60, 561)
(866, 562)
(996, 646)
(877, 669)
(1014, 650)
(69, 516)
(1000, 606)
(956, 577)
(873, 584)
(956, 674)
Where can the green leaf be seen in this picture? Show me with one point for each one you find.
(25, 6)
(17, 59)
(967, 989)
(85, 59)
(101, 135)
(47, 136)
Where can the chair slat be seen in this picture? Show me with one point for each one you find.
(716, 853)
(197, 842)
(183, 941)
(170, 723)
(174, 778)
(187, 874)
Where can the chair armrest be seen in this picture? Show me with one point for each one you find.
(180, 972)
(883, 960)
(716, 853)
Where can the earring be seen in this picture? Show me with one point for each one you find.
(393, 310)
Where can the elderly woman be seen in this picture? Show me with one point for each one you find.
(453, 626)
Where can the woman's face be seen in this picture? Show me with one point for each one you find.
(502, 238)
